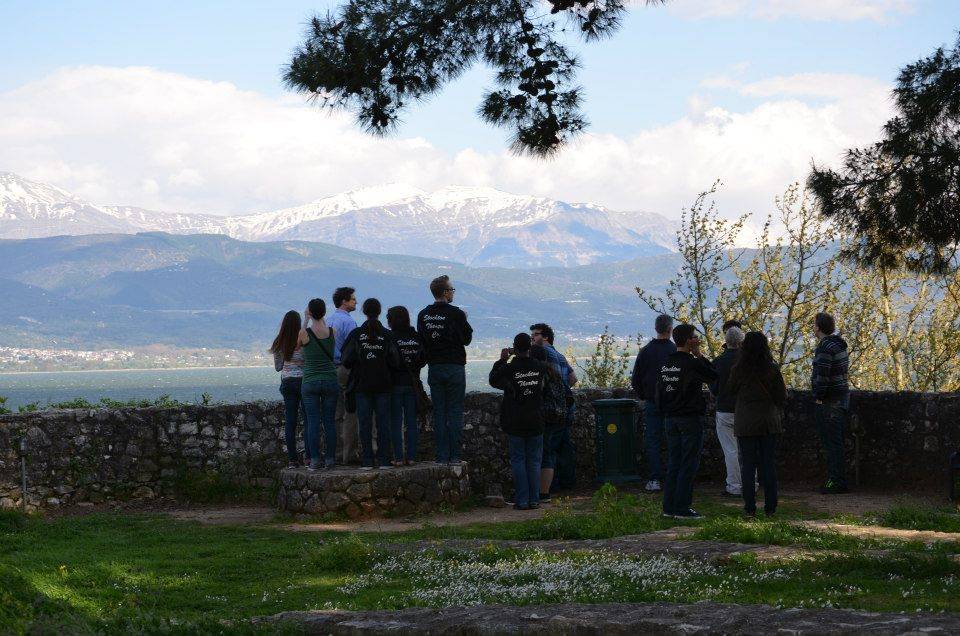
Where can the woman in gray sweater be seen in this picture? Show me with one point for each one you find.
(757, 384)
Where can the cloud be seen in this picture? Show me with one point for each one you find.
(139, 136)
(842, 10)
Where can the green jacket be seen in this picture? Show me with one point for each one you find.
(759, 402)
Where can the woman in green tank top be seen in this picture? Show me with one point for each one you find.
(320, 389)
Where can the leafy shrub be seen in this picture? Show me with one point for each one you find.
(12, 520)
(348, 555)
(214, 488)
(918, 518)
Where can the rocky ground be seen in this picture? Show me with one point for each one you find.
(619, 619)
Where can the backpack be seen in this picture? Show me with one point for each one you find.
(554, 401)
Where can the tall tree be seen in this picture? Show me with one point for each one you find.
(376, 57)
(901, 196)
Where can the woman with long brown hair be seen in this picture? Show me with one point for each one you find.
(288, 360)
(760, 393)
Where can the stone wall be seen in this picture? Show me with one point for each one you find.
(897, 441)
(417, 489)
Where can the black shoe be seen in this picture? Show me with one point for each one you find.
(833, 488)
(520, 507)
(727, 493)
(545, 498)
(749, 516)
(689, 513)
(769, 514)
(534, 506)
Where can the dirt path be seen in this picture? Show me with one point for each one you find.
(879, 532)
(673, 542)
(240, 515)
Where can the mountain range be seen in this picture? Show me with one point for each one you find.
(213, 291)
(480, 227)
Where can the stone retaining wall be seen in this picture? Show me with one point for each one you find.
(356, 493)
(897, 441)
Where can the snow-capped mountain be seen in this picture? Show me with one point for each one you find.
(473, 225)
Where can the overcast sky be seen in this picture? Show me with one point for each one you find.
(178, 106)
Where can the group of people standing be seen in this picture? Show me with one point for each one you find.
(670, 374)
(350, 380)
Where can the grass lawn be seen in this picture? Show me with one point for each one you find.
(149, 573)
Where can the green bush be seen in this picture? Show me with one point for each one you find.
(918, 518)
(214, 488)
(348, 555)
(12, 520)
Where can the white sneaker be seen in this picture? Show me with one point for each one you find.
(653, 486)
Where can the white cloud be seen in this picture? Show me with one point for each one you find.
(138, 136)
(844, 10)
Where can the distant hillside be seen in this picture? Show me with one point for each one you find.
(214, 291)
(476, 226)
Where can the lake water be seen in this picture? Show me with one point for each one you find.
(225, 384)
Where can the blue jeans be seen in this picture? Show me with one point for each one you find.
(653, 440)
(554, 440)
(368, 405)
(320, 403)
(684, 442)
(403, 410)
(292, 405)
(831, 418)
(758, 451)
(525, 453)
(448, 385)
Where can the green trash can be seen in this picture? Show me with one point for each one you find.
(615, 422)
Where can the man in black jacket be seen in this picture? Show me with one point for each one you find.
(646, 370)
(680, 399)
(521, 378)
(445, 333)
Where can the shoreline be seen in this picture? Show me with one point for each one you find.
(253, 366)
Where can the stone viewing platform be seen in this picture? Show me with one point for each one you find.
(352, 492)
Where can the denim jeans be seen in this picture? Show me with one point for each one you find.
(403, 414)
(368, 405)
(653, 440)
(684, 443)
(320, 403)
(448, 384)
(831, 418)
(292, 405)
(759, 451)
(525, 453)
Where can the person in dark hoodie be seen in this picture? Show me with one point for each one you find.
(831, 394)
(521, 378)
(646, 370)
(725, 404)
(759, 393)
(680, 398)
(371, 355)
(406, 386)
(445, 333)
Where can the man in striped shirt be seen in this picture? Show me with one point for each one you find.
(831, 394)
